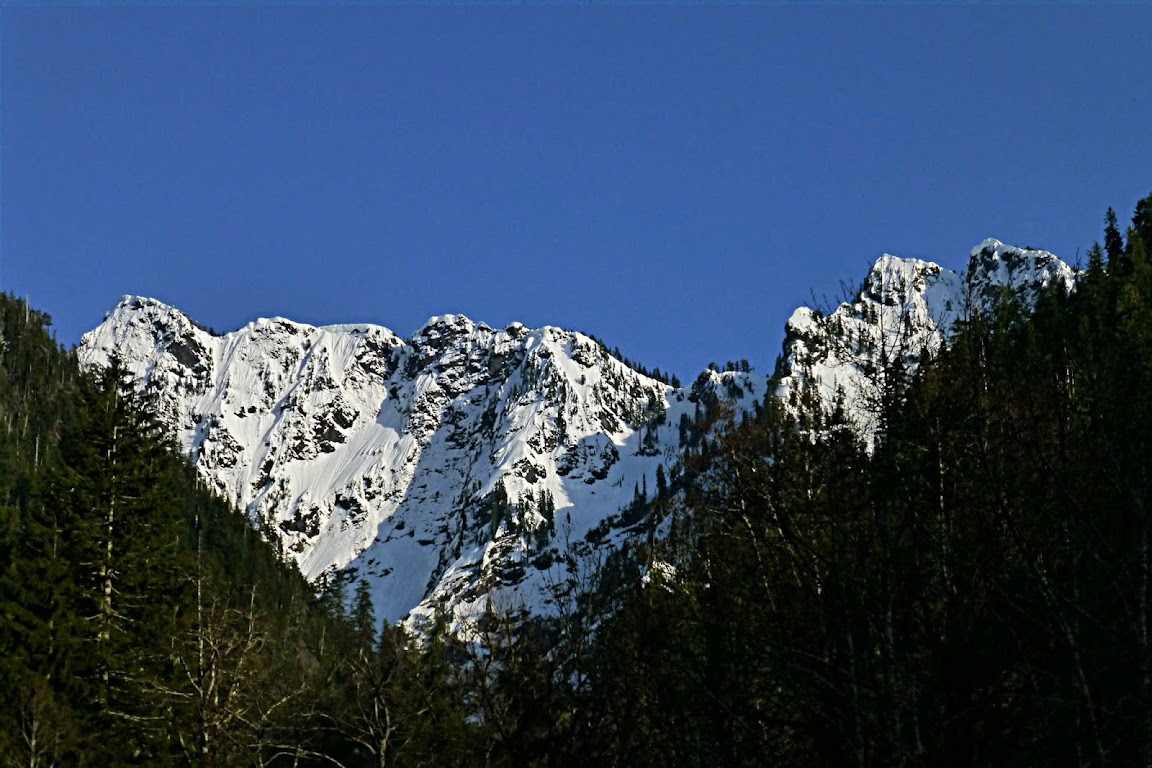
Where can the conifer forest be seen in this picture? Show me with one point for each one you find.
(971, 585)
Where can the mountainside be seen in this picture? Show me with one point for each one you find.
(905, 309)
(438, 467)
(457, 464)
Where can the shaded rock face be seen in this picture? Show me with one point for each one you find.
(429, 465)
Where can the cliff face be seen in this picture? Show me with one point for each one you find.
(438, 467)
(460, 464)
(906, 308)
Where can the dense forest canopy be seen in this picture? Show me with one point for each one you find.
(970, 586)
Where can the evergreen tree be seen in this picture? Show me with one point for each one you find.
(1142, 219)
(1113, 242)
(364, 615)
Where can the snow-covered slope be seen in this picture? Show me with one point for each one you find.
(905, 309)
(361, 451)
(456, 465)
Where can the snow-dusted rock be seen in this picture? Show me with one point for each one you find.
(359, 451)
(905, 309)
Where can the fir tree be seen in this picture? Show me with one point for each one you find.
(364, 614)
(1113, 242)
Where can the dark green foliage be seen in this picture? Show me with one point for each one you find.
(656, 373)
(1142, 219)
(142, 619)
(364, 615)
(1113, 242)
(546, 508)
(334, 596)
(974, 590)
(972, 587)
(500, 507)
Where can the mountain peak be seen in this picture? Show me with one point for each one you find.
(904, 308)
(454, 464)
(363, 452)
(130, 303)
(989, 244)
(449, 322)
(994, 265)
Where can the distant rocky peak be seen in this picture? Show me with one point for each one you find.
(904, 309)
(994, 266)
(141, 310)
(455, 464)
(365, 452)
(440, 328)
(894, 279)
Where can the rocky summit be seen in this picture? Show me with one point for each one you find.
(461, 464)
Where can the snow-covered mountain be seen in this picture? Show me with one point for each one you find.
(456, 465)
(904, 309)
(441, 467)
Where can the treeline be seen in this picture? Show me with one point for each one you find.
(142, 619)
(970, 586)
(670, 379)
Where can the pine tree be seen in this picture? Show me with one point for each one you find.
(364, 615)
(116, 498)
(1113, 242)
(1142, 219)
(334, 596)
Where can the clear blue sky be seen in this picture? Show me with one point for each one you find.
(673, 179)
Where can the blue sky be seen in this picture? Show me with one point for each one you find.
(673, 179)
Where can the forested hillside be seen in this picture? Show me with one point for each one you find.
(142, 620)
(974, 591)
(968, 584)
(970, 588)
